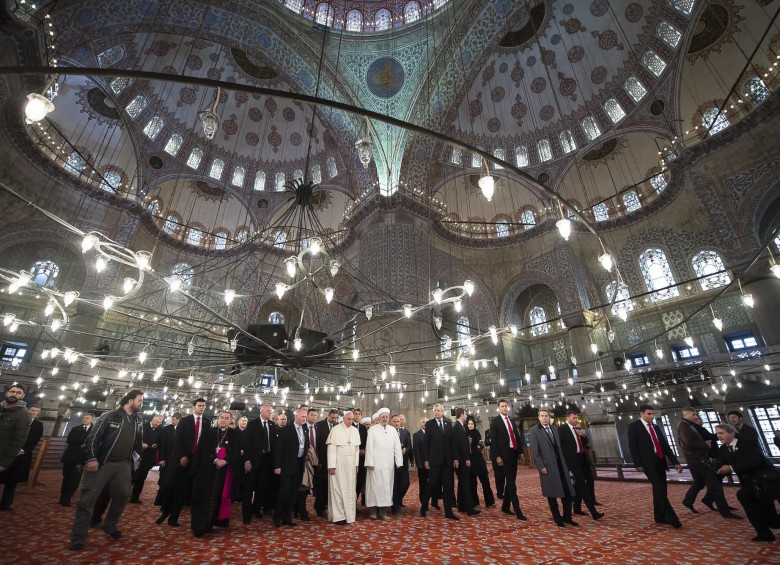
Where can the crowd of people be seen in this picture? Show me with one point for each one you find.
(270, 466)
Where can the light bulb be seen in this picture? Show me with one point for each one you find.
(143, 259)
(281, 288)
(437, 321)
(8, 319)
(328, 294)
(355, 354)
(315, 245)
(594, 348)
(392, 370)
(88, 242)
(142, 357)
(108, 302)
(775, 270)
(493, 334)
(718, 323)
(487, 185)
(291, 263)
(56, 324)
(297, 343)
(334, 268)
(128, 285)
(659, 353)
(688, 341)
(158, 373)
(564, 227)
(230, 295)
(605, 260)
(437, 292)
(49, 310)
(458, 305)
(368, 311)
(622, 314)
(93, 363)
(69, 297)
(174, 283)
(747, 299)
(408, 310)
(37, 107)
(468, 286)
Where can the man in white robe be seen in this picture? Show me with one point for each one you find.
(343, 452)
(383, 456)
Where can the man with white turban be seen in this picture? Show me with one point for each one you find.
(383, 456)
(343, 447)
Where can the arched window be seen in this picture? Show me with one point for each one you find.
(658, 275)
(545, 150)
(173, 144)
(242, 236)
(280, 180)
(411, 12)
(521, 156)
(354, 21)
(445, 347)
(382, 20)
(194, 236)
(316, 173)
(498, 153)
(297, 175)
(683, 6)
(136, 106)
(476, 158)
(153, 127)
(653, 62)
(331, 163)
(280, 238)
(45, 273)
(170, 225)
(294, 5)
(600, 212)
(153, 207)
(502, 228)
(567, 141)
(238, 176)
(636, 90)
(590, 127)
(185, 272)
(537, 319)
(528, 219)
(324, 15)
(658, 182)
(196, 156)
(276, 318)
(464, 330)
(614, 110)
(668, 34)
(709, 267)
(714, 121)
(217, 166)
(75, 163)
(756, 90)
(220, 240)
(622, 301)
(631, 201)
(259, 181)
(111, 181)
(456, 156)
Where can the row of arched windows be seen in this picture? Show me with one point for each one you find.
(355, 20)
(192, 235)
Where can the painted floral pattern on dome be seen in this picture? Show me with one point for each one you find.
(295, 138)
(288, 114)
(255, 114)
(634, 12)
(502, 68)
(568, 86)
(252, 139)
(187, 96)
(488, 73)
(497, 94)
(494, 124)
(194, 63)
(598, 75)
(517, 74)
(475, 106)
(555, 39)
(274, 139)
(214, 74)
(547, 113)
(519, 110)
(229, 127)
(568, 9)
(270, 106)
(530, 61)
(575, 54)
(599, 7)
(161, 47)
(241, 98)
(538, 85)
(572, 26)
(608, 40)
(548, 57)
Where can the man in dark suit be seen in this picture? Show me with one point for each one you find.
(258, 456)
(438, 462)
(506, 448)
(461, 461)
(744, 430)
(322, 429)
(164, 453)
(19, 471)
(649, 453)
(292, 443)
(73, 459)
(360, 484)
(401, 478)
(418, 446)
(744, 457)
(152, 434)
(576, 457)
(185, 443)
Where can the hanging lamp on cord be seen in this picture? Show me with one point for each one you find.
(209, 119)
(487, 184)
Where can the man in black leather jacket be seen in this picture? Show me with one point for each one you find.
(109, 452)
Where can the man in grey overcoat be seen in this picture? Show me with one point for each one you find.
(553, 473)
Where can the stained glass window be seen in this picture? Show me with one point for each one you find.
(668, 34)
(636, 90)
(111, 181)
(545, 150)
(259, 181)
(521, 156)
(111, 56)
(220, 240)
(476, 159)
(354, 21)
(383, 20)
(537, 319)
(280, 180)
(445, 348)
(658, 182)
(498, 153)
(714, 121)
(196, 156)
(294, 5)
(75, 163)
(136, 106)
(439, 3)
(622, 300)
(217, 166)
(324, 14)
(173, 144)
(238, 176)
(44, 273)
(502, 228)
(685, 7)
(614, 110)
(591, 128)
(653, 62)
(297, 175)
(456, 156)
(567, 141)
(331, 164)
(153, 127)
(242, 236)
(185, 272)
(657, 275)
(600, 212)
(280, 238)
(194, 236)
(154, 207)
(756, 90)
(316, 173)
(118, 85)
(463, 328)
(411, 12)
(528, 219)
(276, 318)
(709, 267)
(171, 222)
(631, 201)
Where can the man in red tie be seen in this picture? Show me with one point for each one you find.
(505, 442)
(576, 457)
(185, 442)
(649, 453)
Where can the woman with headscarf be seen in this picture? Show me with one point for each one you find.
(478, 466)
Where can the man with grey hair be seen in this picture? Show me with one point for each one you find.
(696, 451)
(343, 451)
(383, 455)
(744, 457)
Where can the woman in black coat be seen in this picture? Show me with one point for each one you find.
(478, 466)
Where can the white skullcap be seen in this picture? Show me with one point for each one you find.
(365, 420)
(383, 411)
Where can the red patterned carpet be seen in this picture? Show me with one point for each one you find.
(37, 531)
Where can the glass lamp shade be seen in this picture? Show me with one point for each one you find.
(487, 185)
(210, 123)
(363, 147)
(564, 227)
(37, 107)
(606, 261)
